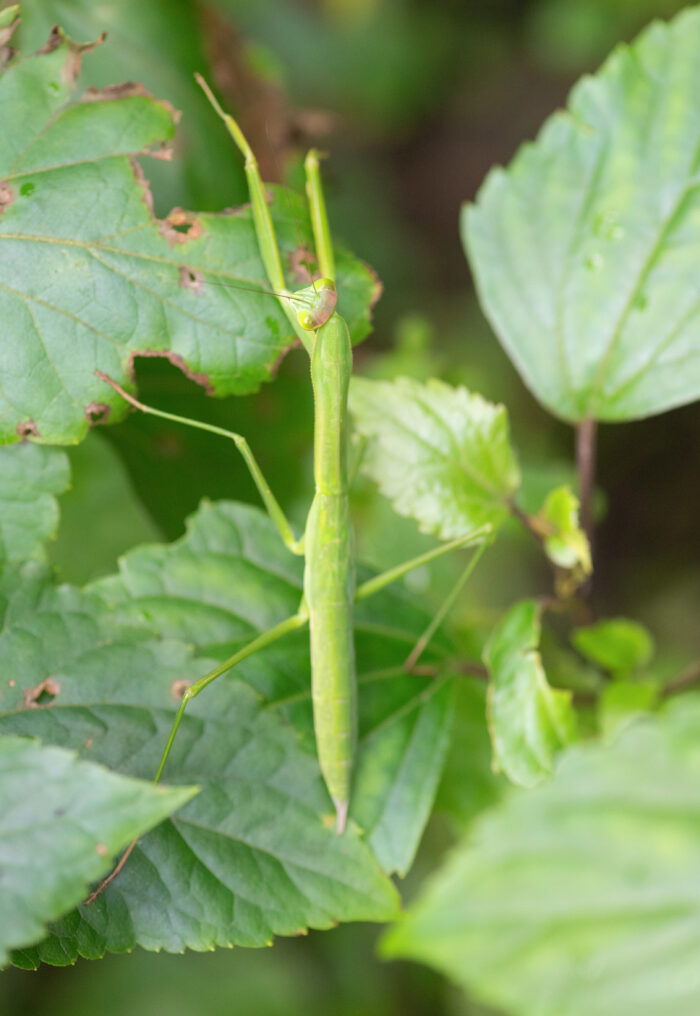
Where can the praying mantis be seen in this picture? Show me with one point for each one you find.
(329, 591)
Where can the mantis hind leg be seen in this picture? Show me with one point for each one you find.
(480, 537)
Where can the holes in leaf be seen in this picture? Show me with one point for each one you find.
(42, 695)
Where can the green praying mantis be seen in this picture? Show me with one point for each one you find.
(329, 591)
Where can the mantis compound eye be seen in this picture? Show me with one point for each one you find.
(307, 320)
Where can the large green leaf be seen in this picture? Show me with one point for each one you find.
(529, 721)
(61, 823)
(585, 249)
(441, 454)
(579, 897)
(90, 279)
(30, 477)
(258, 855)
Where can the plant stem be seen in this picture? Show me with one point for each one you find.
(687, 679)
(585, 465)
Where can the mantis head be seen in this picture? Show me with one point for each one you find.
(321, 296)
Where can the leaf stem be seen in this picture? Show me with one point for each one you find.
(687, 679)
(586, 433)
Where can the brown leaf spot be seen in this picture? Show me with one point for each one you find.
(189, 278)
(303, 265)
(126, 90)
(165, 152)
(41, 695)
(11, 684)
(111, 92)
(71, 68)
(180, 226)
(53, 42)
(102, 849)
(140, 177)
(97, 413)
(88, 744)
(7, 195)
(27, 429)
(179, 688)
(177, 361)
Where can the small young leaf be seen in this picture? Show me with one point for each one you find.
(583, 890)
(528, 720)
(441, 454)
(564, 540)
(617, 645)
(8, 19)
(585, 249)
(30, 477)
(62, 821)
(623, 700)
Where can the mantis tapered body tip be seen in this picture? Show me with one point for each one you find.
(341, 811)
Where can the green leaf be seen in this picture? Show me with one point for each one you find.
(112, 687)
(623, 700)
(469, 784)
(585, 249)
(90, 279)
(30, 476)
(61, 823)
(441, 454)
(564, 541)
(582, 891)
(8, 20)
(529, 721)
(397, 776)
(616, 644)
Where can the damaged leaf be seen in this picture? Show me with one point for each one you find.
(90, 279)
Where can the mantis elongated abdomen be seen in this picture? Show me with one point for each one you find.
(329, 578)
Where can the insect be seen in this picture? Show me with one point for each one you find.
(327, 542)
